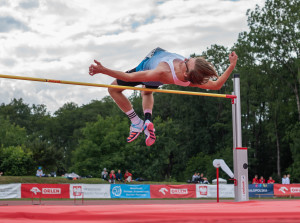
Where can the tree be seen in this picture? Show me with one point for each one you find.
(16, 161)
(165, 160)
(17, 112)
(268, 56)
(11, 134)
(294, 168)
(101, 146)
(274, 36)
(203, 163)
(46, 155)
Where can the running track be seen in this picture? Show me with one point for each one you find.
(126, 211)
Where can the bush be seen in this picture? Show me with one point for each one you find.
(16, 161)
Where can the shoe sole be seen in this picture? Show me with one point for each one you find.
(150, 140)
(134, 137)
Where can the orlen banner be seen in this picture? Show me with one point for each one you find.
(10, 191)
(173, 191)
(45, 190)
(90, 190)
(287, 190)
(210, 191)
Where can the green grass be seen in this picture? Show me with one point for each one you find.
(61, 180)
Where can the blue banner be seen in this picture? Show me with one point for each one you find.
(261, 190)
(129, 191)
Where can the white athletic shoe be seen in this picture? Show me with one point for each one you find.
(149, 133)
(135, 130)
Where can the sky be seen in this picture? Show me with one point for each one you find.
(58, 39)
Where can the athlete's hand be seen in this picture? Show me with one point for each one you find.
(95, 69)
(233, 58)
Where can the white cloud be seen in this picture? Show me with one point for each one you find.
(59, 39)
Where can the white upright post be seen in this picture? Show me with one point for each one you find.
(240, 157)
(234, 145)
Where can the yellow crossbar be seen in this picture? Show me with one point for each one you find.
(117, 86)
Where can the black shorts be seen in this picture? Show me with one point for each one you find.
(133, 84)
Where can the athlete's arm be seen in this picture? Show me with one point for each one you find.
(140, 76)
(217, 84)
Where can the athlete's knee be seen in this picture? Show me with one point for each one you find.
(114, 90)
(111, 90)
(144, 93)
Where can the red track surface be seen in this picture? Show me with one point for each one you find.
(252, 211)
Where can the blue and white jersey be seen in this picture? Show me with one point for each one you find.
(155, 57)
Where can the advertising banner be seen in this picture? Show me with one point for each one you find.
(287, 190)
(261, 190)
(45, 190)
(8, 191)
(129, 191)
(173, 191)
(210, 191)
(89, 190)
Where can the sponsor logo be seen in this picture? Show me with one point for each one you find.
(7, 190)
(261, 185)
(179, 191)
(163, 190)
(203, 190)
(283, 189)
(35, 190)
(51, 191)
(77, 190)
(117, 191)
(243, 180)
(295, 189)
(258, 190)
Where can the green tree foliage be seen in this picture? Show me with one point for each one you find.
(294, 168)
(274, 36)
(101, 146)
(165, 160)
(202, 163)
(11, 134)
(16, 161)
(46, 155)
(18, 112)
(268, 56)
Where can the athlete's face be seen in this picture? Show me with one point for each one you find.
(189, 64)
(187, 68)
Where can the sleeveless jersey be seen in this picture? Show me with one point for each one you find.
(157, 56)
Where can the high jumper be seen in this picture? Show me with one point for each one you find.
(160, 67)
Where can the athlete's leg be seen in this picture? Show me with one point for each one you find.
(148, 102)
(120, 99)
(124, 104)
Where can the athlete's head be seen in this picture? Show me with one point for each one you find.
(199, 71)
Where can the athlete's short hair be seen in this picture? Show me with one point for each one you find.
(202, 72)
